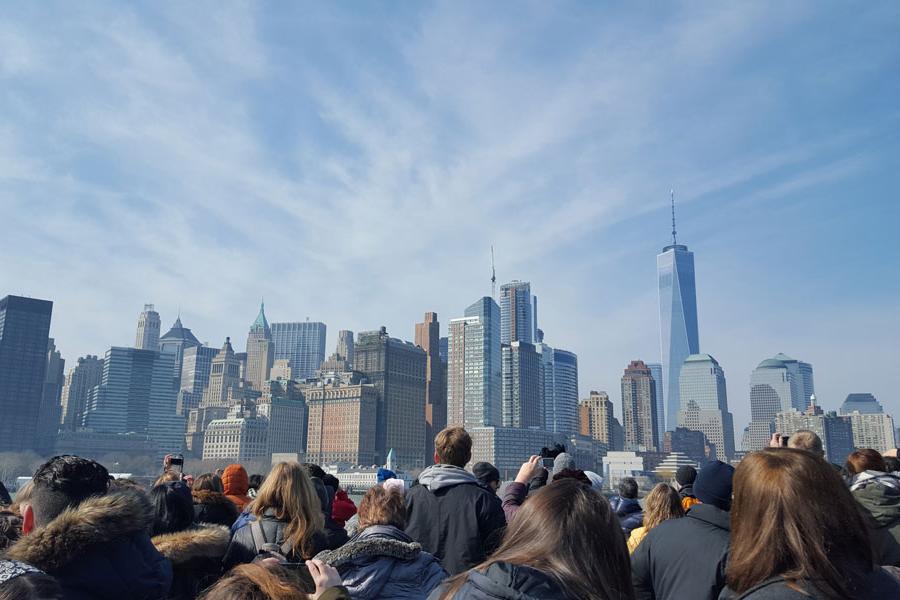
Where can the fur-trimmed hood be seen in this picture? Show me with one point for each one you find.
(210, 497)
(206, 541)
(370, 547)
(77, 530)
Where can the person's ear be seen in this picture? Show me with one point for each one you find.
(28, 519)
(437, 459)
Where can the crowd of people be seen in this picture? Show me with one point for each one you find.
(784, 525)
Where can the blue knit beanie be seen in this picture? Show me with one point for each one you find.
(385, 474)
(713, 484)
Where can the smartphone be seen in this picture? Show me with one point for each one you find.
(177, 463)
(784, 441)
(547, 463)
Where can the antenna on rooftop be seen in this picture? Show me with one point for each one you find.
(674, 239)
(493, 275)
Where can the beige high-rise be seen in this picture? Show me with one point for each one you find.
(639, 408)
(341, 424)
(596, 416)
(260, 351)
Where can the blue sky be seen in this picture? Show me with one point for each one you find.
(353, 162)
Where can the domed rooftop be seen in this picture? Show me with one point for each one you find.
(771, 363)
(784, 357)
(700, 358)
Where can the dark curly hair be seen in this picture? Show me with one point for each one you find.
(65, 481)
(10, 528)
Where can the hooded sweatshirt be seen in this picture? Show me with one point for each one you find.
(453, 517)
(236, 482)
(879, 494)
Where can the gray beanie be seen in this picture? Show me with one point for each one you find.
(562, 462)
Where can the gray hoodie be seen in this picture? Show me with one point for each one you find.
(436, 477)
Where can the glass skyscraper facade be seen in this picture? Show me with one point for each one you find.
(705, 403)
(517, 313)
(474, 386)
(561, 407)
(523, 386)
(24, 339)
(303, 344)
(657, 371)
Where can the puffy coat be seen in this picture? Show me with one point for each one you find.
(637, 536)
(382, 562)
(683, 558)
(629, 512)
(453, 517)
(196, 557)
(236, 482)
(213, 507)
(503, 581)
(242, 550)
(877, 584)
(100, 550)
(879, 495)
(342, 508)
(688, 499)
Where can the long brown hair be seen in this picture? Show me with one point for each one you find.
(289, 492)
(793, 516)
(568, 531)
(256, 582)
(209, 482)
(661, 504)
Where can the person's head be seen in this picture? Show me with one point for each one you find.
(804, 439)
(23, 494)
(453, 446)
(383, 475)
(576, 474)
(10, 528)
(562, 462)
(173, 508)
(628, 488)
(235, 480)
(865, 459)
(331, 481)
(256, 481)
(62, 482)
(487, 474)
(661, 504)
(315, 470)
(713, 484)
(20, 581)
(289, 492)
(126, 485)
(382, 507)
(167, 477)
(256, 582)
(891, 464)
(596, 480)
(568, 531)
(209, 482)
(395, 485)
(685, 475)
(794, 517)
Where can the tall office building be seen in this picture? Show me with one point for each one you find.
(678, 334)
(195, 368)
(639, 408)
(24, 335)
(548, 381)
(51, 396)
(474, 385)
(871, 427)
(224, 376)
(561, 409)
(516, 312)
(776, 385)
(345, 345)
(836, 432)
(148, 329)
(176, 341)
(342, 422)
(596, 417)
(283, 404)
(397, 370)
(135, 395)
(523, 386)
(77, 389)
(704, 403)
(864, 403)
(260, 351)
(241, 436)
(657, 371)
(301, 343)
(428, 336)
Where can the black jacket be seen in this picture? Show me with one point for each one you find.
(504, 581)
(100, 550)
(335, 535)
(683, 558)
(196, 557)
(877, 584)
(213, 507)
(242, 549)
(453, 517)
(629, 511)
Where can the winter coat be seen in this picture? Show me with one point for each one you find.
(213, 507)
(100, 550)
(453, 517)
(683, 558)
(688, 499)
(196, 557)
(236, 483)
(242, 549)
(879, 494)
(503, 581)
(629, 511)
(513, 497)
(382, 562)
(335, 535)
(636, 537)
(342, 508)
(876, 584)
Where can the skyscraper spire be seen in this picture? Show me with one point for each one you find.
(493, 275)
(674, 239)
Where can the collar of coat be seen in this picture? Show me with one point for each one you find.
(711, 514)
(76, 530)
(376, 544)
(210, 497)
(206, 541)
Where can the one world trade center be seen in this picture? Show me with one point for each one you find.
(678, 337)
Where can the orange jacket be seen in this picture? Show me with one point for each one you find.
(687, 502)
(236, 483)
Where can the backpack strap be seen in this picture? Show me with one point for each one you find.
(259, 537)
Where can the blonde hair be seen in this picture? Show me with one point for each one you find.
(289, 492)
(661, 504)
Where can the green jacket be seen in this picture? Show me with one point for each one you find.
(879, 494)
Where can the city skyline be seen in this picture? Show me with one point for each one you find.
(418, 164)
